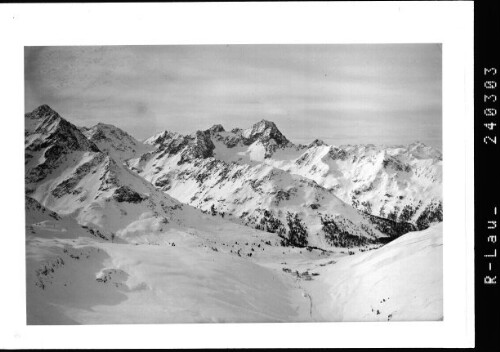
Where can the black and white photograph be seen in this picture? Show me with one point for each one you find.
(233, 183)
(244, 175)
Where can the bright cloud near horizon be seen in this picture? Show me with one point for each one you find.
(342, 94)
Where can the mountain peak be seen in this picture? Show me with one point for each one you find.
(43, 111)
(161, 137)
(104, 128)
(264, 131)
(316, 143)
(216, 128)
(115, 141)
(54, 130)
(101, 124)
(264, 124)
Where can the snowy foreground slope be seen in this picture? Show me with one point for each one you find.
(178, 276)
(401, 281)
(73, 278)
(110, 238)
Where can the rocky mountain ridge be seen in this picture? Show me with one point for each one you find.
(255, 176)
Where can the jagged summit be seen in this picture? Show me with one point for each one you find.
(161, 137)
(49, 140)
(264, 124)
(216, 128)
(44, 128)
(266, 132)
(316, 143)
(202, 145)
(41, 115)
(113, 140)
(195, 145)
(103, 131)
(265, 128)
(106, 125)
(43, 111)
(263, 134)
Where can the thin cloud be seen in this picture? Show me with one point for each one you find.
(388, 94)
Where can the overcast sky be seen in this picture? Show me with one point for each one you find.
(343, 94)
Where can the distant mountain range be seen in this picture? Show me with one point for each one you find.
(316, 195)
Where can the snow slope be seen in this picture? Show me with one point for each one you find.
(205, 274)
(47, 224)
(152, 284)
(402, 281)
(208, 276)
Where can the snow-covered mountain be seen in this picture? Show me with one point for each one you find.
(401, 183)
(68, 174)
(222, 226)
(114, 141)
(197, 169)
(190, 169)
(316, 195)
(402, 281)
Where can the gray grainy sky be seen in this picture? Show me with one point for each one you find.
(380, 94)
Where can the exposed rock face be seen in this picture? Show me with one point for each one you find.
(216, 129)
(264, 131)
(46, 128)
(34, 208)
(390, 162)
(69, 184)
(197, 145)
(316, 143)
(126, 194)
(52, 138)
(42, 112)
(336, 153)
(203, 146)
(161, 138)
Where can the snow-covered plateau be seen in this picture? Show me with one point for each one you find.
(218, 226)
